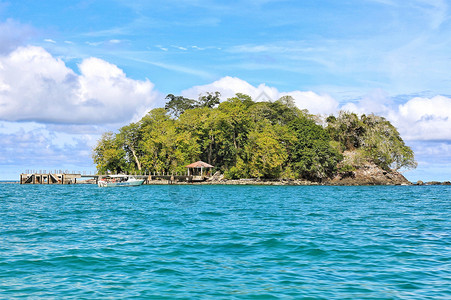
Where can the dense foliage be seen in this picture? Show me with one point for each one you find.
(245, 139)
(373, 138)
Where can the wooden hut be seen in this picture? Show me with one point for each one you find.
(199, 168)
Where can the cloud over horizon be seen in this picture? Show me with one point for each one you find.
(229, 86)
(419, 118)
(35, 86)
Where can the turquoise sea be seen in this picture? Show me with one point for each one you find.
(225, 242)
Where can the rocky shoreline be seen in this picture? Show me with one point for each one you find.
(366, 175)
(432, 183)
(281, 182)
(285, 182)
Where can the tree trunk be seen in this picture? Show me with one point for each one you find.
(210, 149)
(138, 164)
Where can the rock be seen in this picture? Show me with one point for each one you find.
(370, 174)
(433, 183)
(216, 177)
(419, 182)
(363, 172)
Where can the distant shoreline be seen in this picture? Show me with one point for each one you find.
(260, 183)
(291, 183)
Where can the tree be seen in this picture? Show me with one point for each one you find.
(347, 129)
(178, 104)
(109, 155)
(234, 124)
(288, 101)
(265, 155)
(384, 145)
(202, 123)
(130, 136)
(312, 156)
(375, 136)
(209, 100)
(158, 140)
(246, 100)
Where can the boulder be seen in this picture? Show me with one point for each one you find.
(370, 174)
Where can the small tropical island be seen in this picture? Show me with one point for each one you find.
(269, 141)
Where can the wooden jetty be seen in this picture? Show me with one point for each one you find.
(196, 172)
(48, 178)
(70, 178)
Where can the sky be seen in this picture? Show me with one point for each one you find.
(71, 70)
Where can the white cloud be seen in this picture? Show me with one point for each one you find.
(34, 145)
(419, 118)
(425, 118)
(315, 103)
(162, 48)
(377, 102)
(229, 86)
(35, 86)
(180, 48)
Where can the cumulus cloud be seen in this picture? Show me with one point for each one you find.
(34, 145)
(425, 118)
(35, 86)
(315, 103)
(418, 118)
(229, 86)
(377, 102)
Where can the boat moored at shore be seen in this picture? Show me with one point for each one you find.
(119, 180)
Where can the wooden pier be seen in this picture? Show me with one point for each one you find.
(195, 172)
(49, 178)
(73, 178)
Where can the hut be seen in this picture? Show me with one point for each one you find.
(199, 168)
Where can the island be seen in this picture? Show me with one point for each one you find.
(269, 141)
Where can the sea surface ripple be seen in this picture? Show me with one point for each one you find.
(225, 242)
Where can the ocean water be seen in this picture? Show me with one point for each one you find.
(225, 242)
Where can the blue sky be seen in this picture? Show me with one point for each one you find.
(68, 72)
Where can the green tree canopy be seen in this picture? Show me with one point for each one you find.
(375, 136)
(243, 138)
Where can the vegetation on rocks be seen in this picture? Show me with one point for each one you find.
(373, 139)
(247, 139)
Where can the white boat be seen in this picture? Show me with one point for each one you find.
(119, 180)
